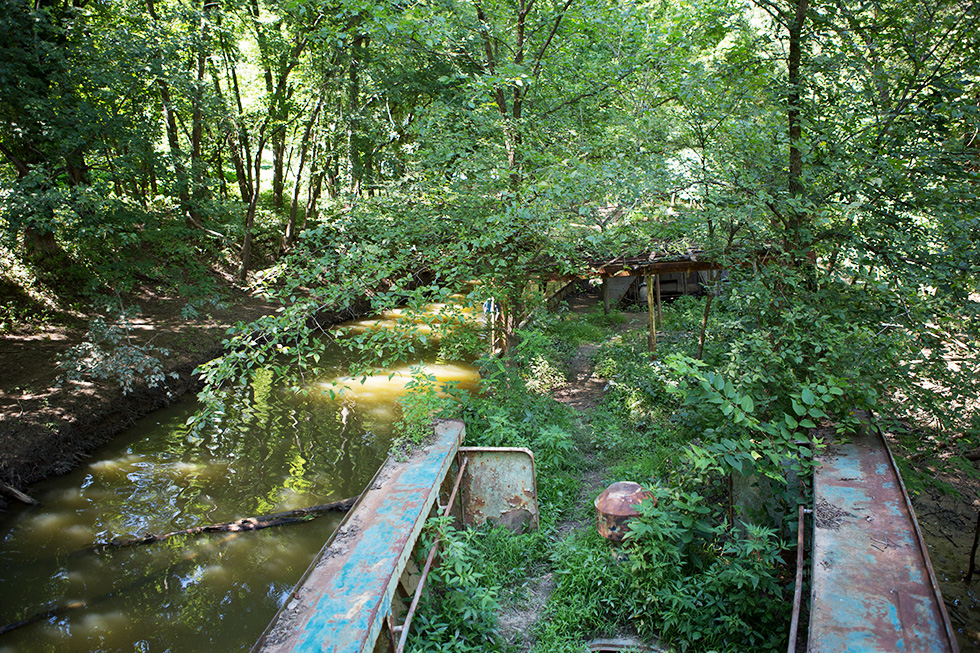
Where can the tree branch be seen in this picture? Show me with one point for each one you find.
(600, 89)
(554, 29)
(22, 168)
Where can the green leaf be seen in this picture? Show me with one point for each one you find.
(808, 398)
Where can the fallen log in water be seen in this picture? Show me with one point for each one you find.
(246, 524)
(55, 610)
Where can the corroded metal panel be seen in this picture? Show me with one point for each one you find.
(499, 487)
(873, 587)
(345, 597)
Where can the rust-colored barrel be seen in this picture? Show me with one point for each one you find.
(616, 505)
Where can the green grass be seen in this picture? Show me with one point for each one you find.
(629, 435)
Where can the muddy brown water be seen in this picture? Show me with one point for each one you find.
(217, 592)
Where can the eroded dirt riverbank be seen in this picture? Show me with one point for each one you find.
(47, 427)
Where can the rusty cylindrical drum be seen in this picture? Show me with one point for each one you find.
(616, 505)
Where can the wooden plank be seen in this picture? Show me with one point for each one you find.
(345, 597)
(656, 283)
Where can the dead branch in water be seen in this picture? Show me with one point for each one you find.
(56, 611)
(246, 524)
(17, 494)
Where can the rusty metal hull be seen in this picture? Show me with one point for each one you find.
(499, 487)
(873, 588)
(343, 600)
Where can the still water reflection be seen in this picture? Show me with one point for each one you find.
(214, 592)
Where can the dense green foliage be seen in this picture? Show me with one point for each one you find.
(360, 156)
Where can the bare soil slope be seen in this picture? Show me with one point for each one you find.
(46, 426)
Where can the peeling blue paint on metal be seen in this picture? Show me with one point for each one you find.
(871, 585)
(342, 602)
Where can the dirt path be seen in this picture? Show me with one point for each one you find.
(583, 392)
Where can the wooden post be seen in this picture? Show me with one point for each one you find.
(660, 317)
(652, 316)
(707, 309)
(605, 295)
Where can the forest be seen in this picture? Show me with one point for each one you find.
(333, 154)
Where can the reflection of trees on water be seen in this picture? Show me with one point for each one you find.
(275, 447)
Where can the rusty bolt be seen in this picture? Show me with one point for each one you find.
(616, 505)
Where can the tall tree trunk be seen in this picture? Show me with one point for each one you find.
(197, 112)
(76, 167)
(243, 175)
(265, 60)
(219, 165)
(152, 175)
(170, 120)
(795, 216)
(176, 155)
(313, 197)
(241, 133)
(304, 146)
(355, 140)
(250, 213)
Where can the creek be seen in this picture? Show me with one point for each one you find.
(278, 451)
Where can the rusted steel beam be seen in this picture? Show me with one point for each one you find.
(345, 597)
(794, 623)
(657, 267)
(873, 588)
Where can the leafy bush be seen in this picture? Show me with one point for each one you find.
(592, 597)
(543, 376)
(458, 613)
(420, 406)
(109, 353)
(703, 585)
